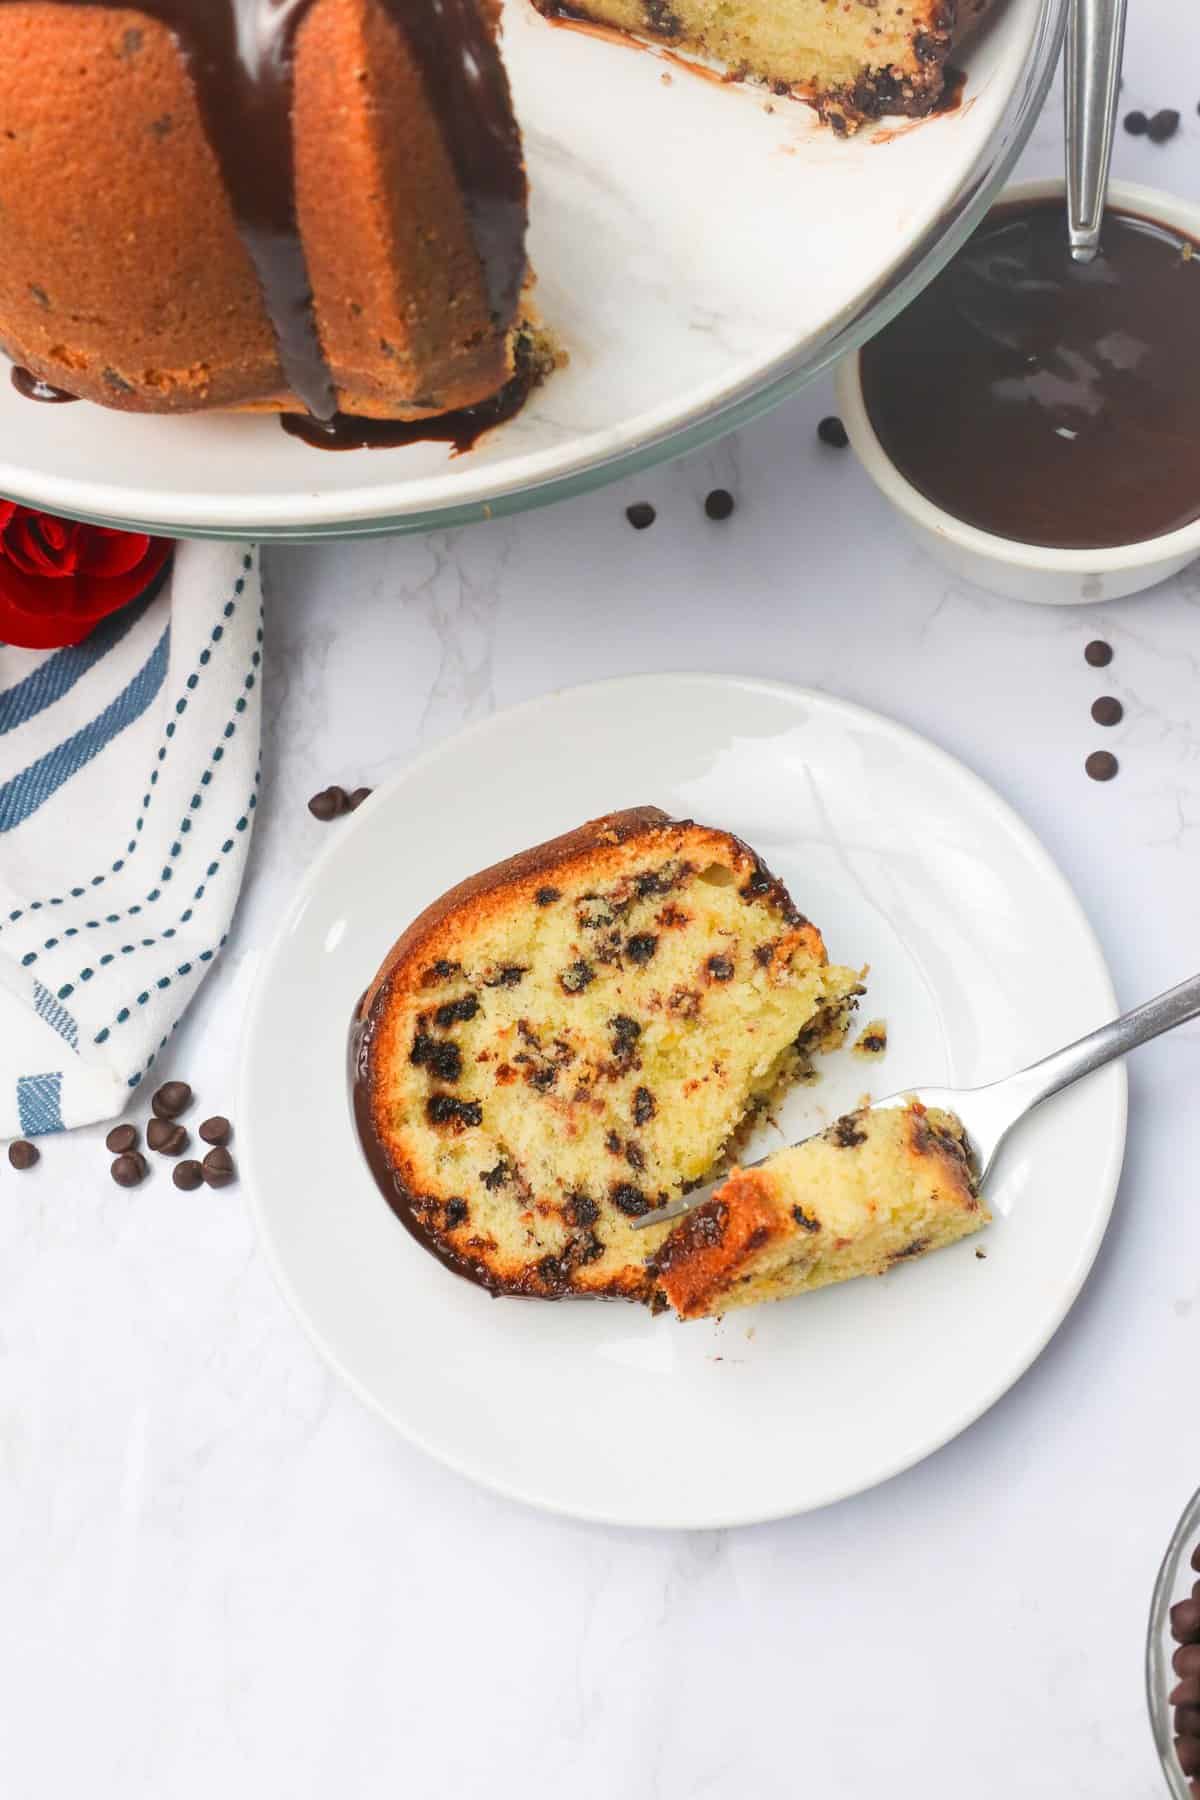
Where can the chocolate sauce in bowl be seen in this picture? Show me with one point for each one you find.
(32, 387)
(239, 56)
(1047, 401)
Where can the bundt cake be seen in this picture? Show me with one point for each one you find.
(876, 1189)
(568, 1041)
(853, 59)
(302, 206)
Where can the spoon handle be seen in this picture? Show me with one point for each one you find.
(1095, 40)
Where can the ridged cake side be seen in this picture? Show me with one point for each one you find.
(567, 1041)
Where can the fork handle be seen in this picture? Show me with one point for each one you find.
(1056, 1072)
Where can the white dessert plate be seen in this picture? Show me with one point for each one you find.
(981, 960)
(699, 256)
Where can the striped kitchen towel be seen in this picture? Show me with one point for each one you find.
(129, 770)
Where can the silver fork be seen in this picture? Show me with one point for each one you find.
(990, 1113)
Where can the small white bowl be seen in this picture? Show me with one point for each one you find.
(1027, 571)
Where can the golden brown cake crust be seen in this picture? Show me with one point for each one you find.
(133, 288)
(592, 1088)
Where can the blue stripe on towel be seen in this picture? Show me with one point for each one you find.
(35, 785)
(49, 1007)
(59, 673)
(39, 1103)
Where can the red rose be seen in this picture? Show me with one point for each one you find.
(59, 579)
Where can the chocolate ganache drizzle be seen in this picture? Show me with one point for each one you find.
(239, 56)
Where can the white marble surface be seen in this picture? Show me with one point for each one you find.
(221, 1576)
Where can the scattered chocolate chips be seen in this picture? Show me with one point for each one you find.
(640, 514)
(546, 896)
(1136, 124)
(355, 800)
(641, 946)
(165, 1136)
(582, 1210)
(719, 504)
(216, 1130)
(720, 968)
(330, 803)
(456, 1212)
(1163, 126)
(831, 431)
(1098, 654)
(130, 1169)
(634, 1156)
(217, 1167)
(188, 1174)
(1107, 710)
(121, 1138)
(629, 1199)
(22, 1154)
(846, 1134)
(171, 1099)
(1102, 765)
(495, 1178)
(805, 1220)
(511, 975)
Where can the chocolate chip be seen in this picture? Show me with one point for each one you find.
(456, 1012)
(629, 1199)
(625, 1034)
(442, 1058)
(216, 1130)
(641, 946)
(166, 1137)
(1102, 765)
(446, 1109)
(612, 1143)
(1098, 654)
(171, 1099)
(576, 977)
(22, 1154)
(581, 1210)
(456, 1212)
(217, 1167)
(330, 803)
(1185, 1622)
(720, 968)
(719, 504)
(1136, 124)
(1187, 1753)
(128, 1170)
(845, 1133)
(355, 800)
(1163, 125)
(640, 514)
(546, 896)
(634, 1156)
(805, 1220)
(831, 431)
(121, 1138)
(495, 1178)
(644, 1107)
(188, 1174)
(511, 975)
(1107, 710)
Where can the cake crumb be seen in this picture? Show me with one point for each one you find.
(981, 1255)
(872, 1040)
(665, 79)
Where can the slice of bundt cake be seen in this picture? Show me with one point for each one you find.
(309, 206)
(569, 1040)
(876, 1189)
(853, 59)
